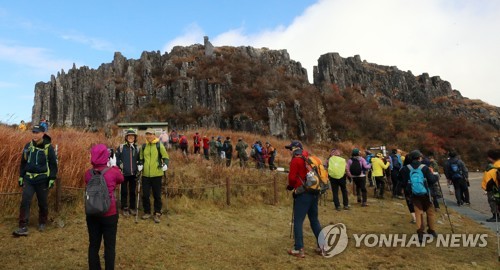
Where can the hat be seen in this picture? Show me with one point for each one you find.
(294, 144)
(130, 131)
(150, 131)
(380, 155)
(355, 152)
(335, 152)
(452, 154)
(394, 151)
(415, 154)
(38, 129)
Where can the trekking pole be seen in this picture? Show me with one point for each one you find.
(445, 207)
(139, 179)
(166, 193)
(291, 223)
(498, 235)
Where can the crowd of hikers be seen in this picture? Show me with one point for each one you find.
(142, 168)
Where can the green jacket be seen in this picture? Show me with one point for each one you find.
(149, 157)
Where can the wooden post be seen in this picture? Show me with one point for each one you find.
(275, 182)
(58, 195)
(228, 191)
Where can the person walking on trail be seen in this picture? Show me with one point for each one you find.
(305, 202)
(206, 147)
(337, 167)
(164, 139)
(379, 164)
(397, 163)
(127, 155)
(103, 226)
(174, 139)
(183, 144)
(368, 159)
(271, 153)
(38, 172)
(227, 147)
(241, 150)
(153, 158)
(197, 143)
(213, 149)
(259, 159)
(218, 147)
(491, 183)
(456, 172)
(417, 178)
(434, 189)
(356, 167)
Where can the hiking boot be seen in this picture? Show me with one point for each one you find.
(156, 218)
(364, 205)
(401, 197)
(337, 208)
(133, 212)
(413, 221)
(347, 207)
(125, 212)
(297, 253)
(492, 219)
(467, 203)
(420, 237)
(433, 233)
(146, 216)
(359, 200)
(41, 227)
(319, 251)
(21, 232)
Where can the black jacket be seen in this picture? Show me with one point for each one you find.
(38, 162)
(404, 175)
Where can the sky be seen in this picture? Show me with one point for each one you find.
(458, 40)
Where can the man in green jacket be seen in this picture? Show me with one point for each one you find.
(153, 159)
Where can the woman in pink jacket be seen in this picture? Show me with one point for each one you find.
(105, 226)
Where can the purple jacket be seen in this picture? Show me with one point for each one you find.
(99, 159)
(364, 166)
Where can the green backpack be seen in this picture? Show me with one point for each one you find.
(336, 167)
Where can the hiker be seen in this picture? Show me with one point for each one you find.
(257, 148)
(218, 147)
(406, 192)
(456, 172)
(417, 178)
(38, 171)
(430, 162)
(127, 155)
(337, 167)
(396, 164)
(164, 139)
(206, 147)
(153, 158)
(213, 149)
(22, 126)
(241, 150)
(196, 143)
(356, 167)
(44, 124)
(368, 157)
(491, 183)
(304, 202)
(379, 164)
(183, 144)
(174, 139)
(271, 153)
(103, 226)
(227, 147)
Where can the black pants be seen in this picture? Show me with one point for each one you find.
(396, 190)
(271, 163)
(102, 228)
(148, 184)
(29, 190)
(461, 191)
(360, 183)
(336, 183)
(380, 180)
(228, 161)
(128, 190)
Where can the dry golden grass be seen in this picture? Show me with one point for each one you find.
(202, 232)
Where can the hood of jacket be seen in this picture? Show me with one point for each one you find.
(99, 155)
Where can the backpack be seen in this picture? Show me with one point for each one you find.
(395, 162)
(317, 176)
(252, 152)
(225, 146)
(456, 172)
(196, 140)
(417, 181)
(97, 199)
(184, 140)
(336, 167)
(355, 168)
(37, 160)
(159, 152)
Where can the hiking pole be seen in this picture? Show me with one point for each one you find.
(445, 207)
(139, 179)
(291, 223)
(498, 235)
(166, 192)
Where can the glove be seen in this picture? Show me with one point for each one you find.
(21, 179)
(140, 167)
(289, 187)
(164, 167)
(51, 183)
(112, 161)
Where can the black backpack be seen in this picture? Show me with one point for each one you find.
(355, 168)
(97, 199)
(395, 162)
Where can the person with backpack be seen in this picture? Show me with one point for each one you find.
(227, 147)
(258, 156)
(304, 202)
(127, 155)
(218, 147)
(196, 143)
(164, 139)
(213, 149)
(271, 152)
(206, 147)
(174, 139)
(153, 158)
(241, 150)
(45, 125)
(356, 167)
(38, 172)
(491, 184)
(368, 157)
(104, 225)
(396, 164)
(417, 180)
(456, 172)
(379, 164)
(183, 144)
(337, 167)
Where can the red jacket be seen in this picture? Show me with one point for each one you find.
(298, 170)
(196, 140)
(206, 142)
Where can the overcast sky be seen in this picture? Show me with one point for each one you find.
(458, 40)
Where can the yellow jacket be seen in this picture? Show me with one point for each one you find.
(491, 175)
(378, 166)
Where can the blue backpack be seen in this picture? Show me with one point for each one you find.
(417, 181)
(456, 172)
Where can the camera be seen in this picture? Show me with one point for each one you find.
(111, 152)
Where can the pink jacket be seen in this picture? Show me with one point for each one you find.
(99, 159)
